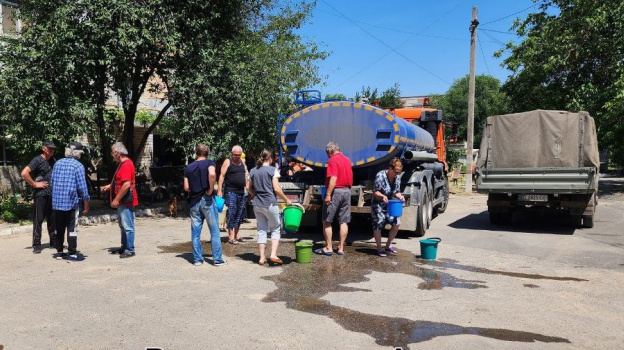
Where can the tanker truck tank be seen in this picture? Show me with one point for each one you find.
(368, 135)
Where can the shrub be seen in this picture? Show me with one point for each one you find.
(13, 210)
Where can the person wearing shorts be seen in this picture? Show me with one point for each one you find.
(337, 201)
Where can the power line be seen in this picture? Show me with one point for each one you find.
(484, 60)
(498, 41)
(513, 14)
(498, 31)
(394, 29)
(391, 48)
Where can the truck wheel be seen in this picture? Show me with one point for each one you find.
(422, 212)
(429, 208)
(588, 221)
(445, 192)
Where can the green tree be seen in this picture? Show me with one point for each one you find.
(571, 59)
(225, 66)
(336, 97)
(367, 93)
(391, 97)
(489, 100)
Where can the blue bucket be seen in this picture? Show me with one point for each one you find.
(220, 202)
(395, 208)
(429, 248)
(323, 191)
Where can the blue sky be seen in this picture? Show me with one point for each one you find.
(421, 45)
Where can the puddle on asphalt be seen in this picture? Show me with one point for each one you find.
(302, 287)
(453, 264)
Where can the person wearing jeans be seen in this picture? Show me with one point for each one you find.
(125, 219)
(206, 209)
(199, 181)
(263, 186)
(124, 198)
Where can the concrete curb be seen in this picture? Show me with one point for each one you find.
(89, 220)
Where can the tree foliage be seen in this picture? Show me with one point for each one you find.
(335, 97)
(389, 98)
(571, 59)
(489, 100)
(224, 69)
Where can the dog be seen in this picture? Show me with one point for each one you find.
(173, 206)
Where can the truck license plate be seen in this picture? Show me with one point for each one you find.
(533, 197)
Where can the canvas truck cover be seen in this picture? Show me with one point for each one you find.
(539, 138)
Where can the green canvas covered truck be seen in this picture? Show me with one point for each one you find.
(539, 159)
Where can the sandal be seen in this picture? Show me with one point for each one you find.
(392, 250)
(262, 262)
(320, 251)
(241, 240)
(233, 241)
(382, 253)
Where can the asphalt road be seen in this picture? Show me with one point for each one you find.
(537, 284)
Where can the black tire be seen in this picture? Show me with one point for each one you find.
(445, 192)
(588, 221)
(429, 208)
(421, 212)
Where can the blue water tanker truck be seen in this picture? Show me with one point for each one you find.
(370, 137)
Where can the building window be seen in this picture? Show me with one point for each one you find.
(9, 25)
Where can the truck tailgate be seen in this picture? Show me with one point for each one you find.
(538, 180)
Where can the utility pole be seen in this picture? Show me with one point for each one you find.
(471, 99)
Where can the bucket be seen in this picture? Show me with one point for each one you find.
(429, 248)
(303, 251)
(292, 217)
(395, 208)
(323, 191)
(220, 202)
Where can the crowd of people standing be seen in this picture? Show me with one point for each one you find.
(61, 190)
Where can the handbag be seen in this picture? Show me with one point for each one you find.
(128, 197)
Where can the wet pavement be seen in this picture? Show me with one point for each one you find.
(523, 288)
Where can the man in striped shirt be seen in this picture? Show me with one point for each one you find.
(69, 187)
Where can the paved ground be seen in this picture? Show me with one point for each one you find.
(538, 284)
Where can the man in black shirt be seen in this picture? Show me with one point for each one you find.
(38, 174)
(199, 181)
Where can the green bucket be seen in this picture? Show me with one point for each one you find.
(303, 251)
(429, 248)
(292, 217)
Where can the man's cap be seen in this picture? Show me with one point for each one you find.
(49, 144)
(76, 145)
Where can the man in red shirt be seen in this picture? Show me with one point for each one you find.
(124, 198)
(337, 202)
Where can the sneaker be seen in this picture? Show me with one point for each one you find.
(220, 263)
(126, 255)
(37, 250)
(60, 256)
(198, 263)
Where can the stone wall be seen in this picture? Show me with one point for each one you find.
(10, 180)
